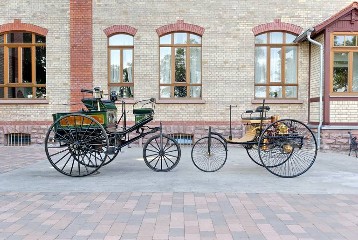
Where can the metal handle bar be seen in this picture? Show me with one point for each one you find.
(86, 91)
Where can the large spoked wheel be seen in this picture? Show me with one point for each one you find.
(287, 148)
(76, 145)
(253, 153)
(209, 154)
(161, 153)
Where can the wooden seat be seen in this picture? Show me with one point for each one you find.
(248, 137)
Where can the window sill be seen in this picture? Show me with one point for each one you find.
(24, 101)
(180, 101)
(278, 101)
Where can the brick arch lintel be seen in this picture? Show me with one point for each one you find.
(17, 25)
(277, 25)
(180, 25)
(115, 29)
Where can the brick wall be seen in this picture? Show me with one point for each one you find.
(227, 51)
(315, 67)
(343, 111)
(52, 15)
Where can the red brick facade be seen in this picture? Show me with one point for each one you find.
(180, 26)
(120, 29)
(17, 25)
(81, 52)
(277, 25)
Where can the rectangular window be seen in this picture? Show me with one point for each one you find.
(26, 65)
(23, 66)
(340, 72)
(276, 65)
(13, 65)
(165, 65)
(180, 66)
(344, 71)
(121, 78)
(260, 64)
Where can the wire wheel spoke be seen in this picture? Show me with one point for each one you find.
(76, 145)
(287, 148)
(156, 154)
(209, 159)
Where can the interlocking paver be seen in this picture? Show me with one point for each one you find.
(57, 207)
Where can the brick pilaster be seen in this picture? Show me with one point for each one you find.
(81, 53)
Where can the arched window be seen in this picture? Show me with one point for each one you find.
(120, 69)
(22, 65)
(275, 65)
(180, 65)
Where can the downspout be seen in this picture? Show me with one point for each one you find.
(320, 86)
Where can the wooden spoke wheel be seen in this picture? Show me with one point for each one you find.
(209, 154)
(76, 145)
(161, 153)
(287, 148)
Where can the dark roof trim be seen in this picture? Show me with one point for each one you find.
(320, 27)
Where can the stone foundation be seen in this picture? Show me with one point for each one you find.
(335, 140)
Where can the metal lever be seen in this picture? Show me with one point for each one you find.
(230, 135)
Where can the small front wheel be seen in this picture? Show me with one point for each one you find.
(161, 153)
(209, 154)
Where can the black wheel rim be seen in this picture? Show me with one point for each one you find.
(252, 151)
(290, 152)
(209, 161)
(76, 145)
(161, 154)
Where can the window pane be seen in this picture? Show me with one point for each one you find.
(340, 72)
(19, 37)
(13, 65)
(355, 72)
(165, 65)
(40, 65)
(260, 92)
(276, 37)
(115, 61)
(260, 39)
(291, 65)
(166, 39)
(275, 92)
(165, 91)
(2, 60)
(350, 41)
(127, 65)
(121, 40)
(195, 39)
(338, 40)
(180, 91)
(195, 92)
(290, 38)
(1, 38)
(40, 39)
(291, 92)
(180, 65)
(26, 65)
(1, 92)
(180, 38)
(195, 65)
(260, 64)
(40, 92)
(275, 65)
(123, 92)
(20, 92)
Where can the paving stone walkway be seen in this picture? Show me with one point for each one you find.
(265, 213)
